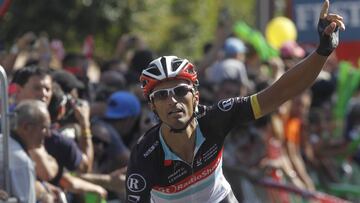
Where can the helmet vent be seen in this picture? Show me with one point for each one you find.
(163, 63)
(176, 64)
(153, 70)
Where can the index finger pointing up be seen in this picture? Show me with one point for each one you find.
(324, 9)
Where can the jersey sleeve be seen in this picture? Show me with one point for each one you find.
(138, 177)
(228, 113)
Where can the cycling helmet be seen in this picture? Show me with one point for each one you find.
(166, 68)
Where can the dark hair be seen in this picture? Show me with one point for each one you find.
(22, 76)
(55, 102)
(141, 59)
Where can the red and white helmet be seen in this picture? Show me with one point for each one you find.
(166, 68)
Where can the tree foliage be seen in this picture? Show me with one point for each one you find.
(168, 26)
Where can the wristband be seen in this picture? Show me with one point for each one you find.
(327, 42)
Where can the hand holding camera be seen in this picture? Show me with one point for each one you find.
(82, 113)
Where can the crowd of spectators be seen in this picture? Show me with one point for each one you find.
(96, 112)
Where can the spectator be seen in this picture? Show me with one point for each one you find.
(69, 156)
(36, 83)
(291, 53)
(78, 65)
(232, 66)
(119, 125)
(33, 82)
(29, 128)
(65, 150)
(110, 82)
(296, 136)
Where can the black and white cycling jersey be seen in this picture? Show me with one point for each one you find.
(156, 174)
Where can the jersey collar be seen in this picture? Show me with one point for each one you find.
(169, 155)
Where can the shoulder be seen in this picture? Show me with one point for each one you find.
(100, 127)
(16, 149)
(59, 145)
(19, 158)
(57, 139)
(147, 144)
(226, 112)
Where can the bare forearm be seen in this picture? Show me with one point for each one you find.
(113, 183)
(100, 179)
(86, 147)
(46, 166)
(79, 186)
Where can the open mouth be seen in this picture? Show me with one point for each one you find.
(176, 111)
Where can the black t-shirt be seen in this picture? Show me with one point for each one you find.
(65, 151)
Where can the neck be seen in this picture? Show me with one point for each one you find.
(183, 143)
(17, 136)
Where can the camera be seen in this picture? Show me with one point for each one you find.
(69, 116)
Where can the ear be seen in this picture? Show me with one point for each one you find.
(26, 127)
(196, 98)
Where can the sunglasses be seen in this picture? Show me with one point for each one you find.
(178, 91)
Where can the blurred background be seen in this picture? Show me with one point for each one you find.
(104, 45)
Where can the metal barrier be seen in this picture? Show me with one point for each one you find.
(263, 188)
(5, 130)
(282, 192)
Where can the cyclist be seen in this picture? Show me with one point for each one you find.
(180, 159)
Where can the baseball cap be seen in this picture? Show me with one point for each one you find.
(122, 104)
(67, 81)
(291, 49)
(234, 46)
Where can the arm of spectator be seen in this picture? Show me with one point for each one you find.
(222, 32)
(79, 186)
(115, 181)
(299, 165)
(20, 45)
(82, 114)
(46, 166)
(124, 43)
(44, 51)
(43, 194)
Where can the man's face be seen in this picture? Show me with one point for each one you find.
(38, 131)
(37, 87)
(175, 110)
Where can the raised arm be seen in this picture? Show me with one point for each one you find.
(82, 114)
(300, 77)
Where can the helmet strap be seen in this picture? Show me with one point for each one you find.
(174, 130)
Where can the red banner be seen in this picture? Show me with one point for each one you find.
(349, 51)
